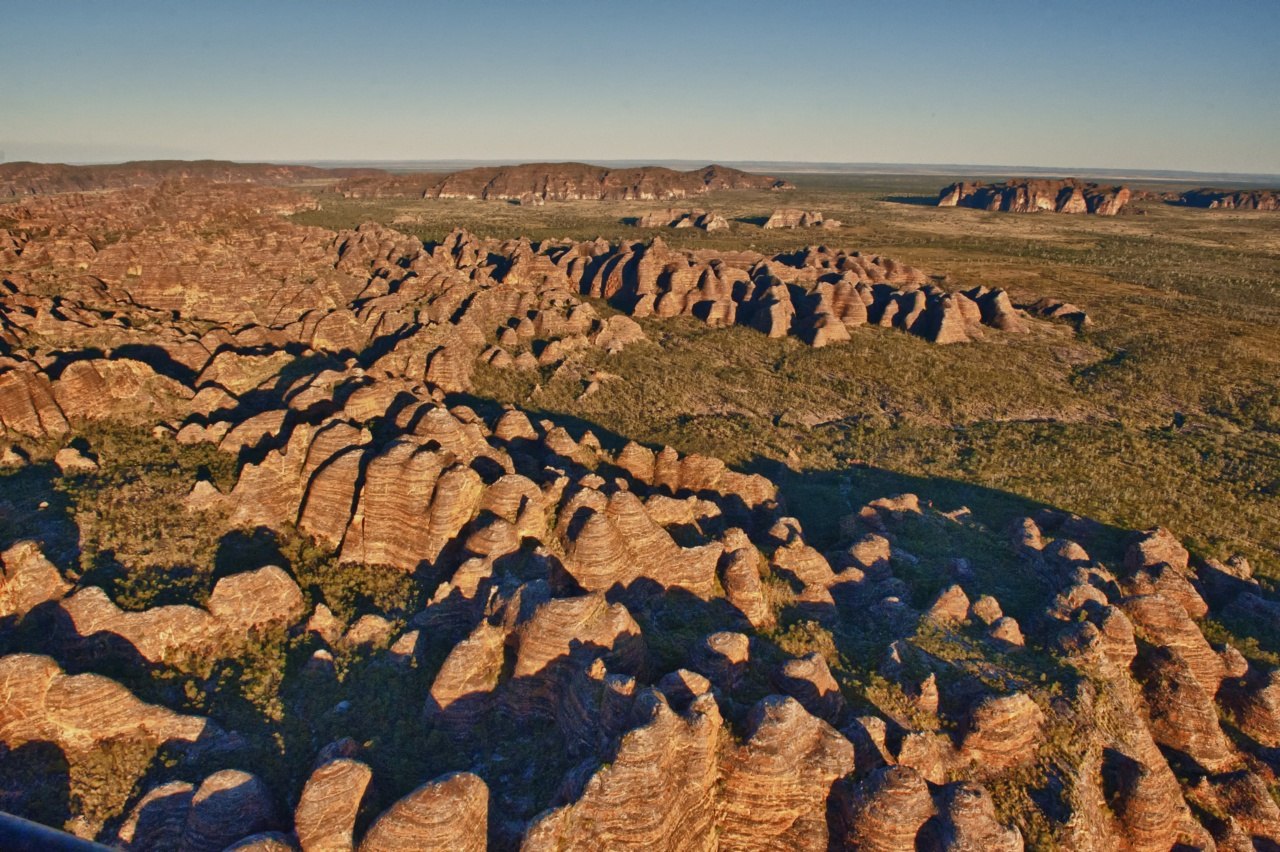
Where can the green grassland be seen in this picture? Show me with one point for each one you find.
(1166, 409)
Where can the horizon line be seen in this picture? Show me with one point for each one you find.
(784, 166)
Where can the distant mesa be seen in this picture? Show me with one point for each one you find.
(786, 218)
(791, 217)
(531, 183)
(1226, 199)
(1034, 196)
(672, 218)
(22, 179)
(558, 182)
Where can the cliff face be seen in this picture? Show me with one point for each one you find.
(1032, 196)
(561, 182)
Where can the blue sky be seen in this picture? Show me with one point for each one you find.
(1164, 85)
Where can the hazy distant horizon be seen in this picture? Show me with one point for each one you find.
(812, 167)
(779, 167)
(1129, 86)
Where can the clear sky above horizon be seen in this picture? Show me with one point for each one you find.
(1122, 84)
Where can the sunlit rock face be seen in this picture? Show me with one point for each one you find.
(1035, 196)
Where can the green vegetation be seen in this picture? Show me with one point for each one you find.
(116, 524)
(1164, 411)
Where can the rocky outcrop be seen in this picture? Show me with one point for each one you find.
(560, 182)
(672, 218)
(658, 793)
(78, 712)
(1050, 308)
(463, 689)
(622, 543)
(1156, 547)
(564, 634)
(228, 806)
(239, 604)
(1002, 732)
(967, 820)
(448, 813)
(28, 580)
(433, 316)
(819, 294)
(740, 574)
(1032, 196)
(774, 788)
(1183, 716)
(120, 390)
(1168, 624)
(158, 818)
(792, 217)
(325, 818)
(27, 403)
(887, 811)
(809, 681)
(1254, 702)
(1226, 199)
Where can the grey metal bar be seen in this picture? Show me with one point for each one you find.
(23, 835)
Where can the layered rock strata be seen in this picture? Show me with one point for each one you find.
(1035, 196)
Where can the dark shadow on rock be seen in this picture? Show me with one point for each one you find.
(61, 360)
(35, 782)
(673, 620)
(160, 822)
(383, 344)
(158, 359)
(240, 550)
(181, 582)
(1121, 775)
(49, 630)
(38, 510)
(520, 741)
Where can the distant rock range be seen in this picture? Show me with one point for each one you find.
(1226, 199)
(1075, 196)
(528, 183)
(20, 180)
(1033, 196)
(533, 182)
